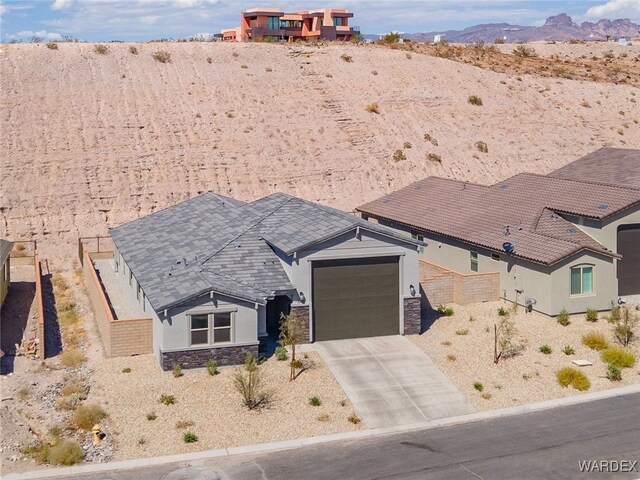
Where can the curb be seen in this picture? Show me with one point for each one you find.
(302, 442)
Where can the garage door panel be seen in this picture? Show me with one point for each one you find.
(356, 298)
(629, 265)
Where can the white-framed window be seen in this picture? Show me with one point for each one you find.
(211, 328)
(582, 280)
(473, 260)
(416, 236)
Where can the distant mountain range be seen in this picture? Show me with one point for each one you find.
(558, 27)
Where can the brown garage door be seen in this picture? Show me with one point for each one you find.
(629, 266)
(356, 298)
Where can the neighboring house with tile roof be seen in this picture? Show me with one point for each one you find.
(558, 241)
(216, 273)
(5, 274)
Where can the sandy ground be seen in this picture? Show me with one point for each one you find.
(529, 377)
(92, 141)
(580, 50)
(215, 407)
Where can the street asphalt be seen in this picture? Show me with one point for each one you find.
(546, 444)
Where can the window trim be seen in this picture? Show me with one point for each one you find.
(210, 326)
(212, 323)
(473, 260)
(581, 267)
(191, 329)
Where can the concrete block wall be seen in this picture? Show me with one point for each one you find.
(438, 290)
(446, 286)
(40, 305)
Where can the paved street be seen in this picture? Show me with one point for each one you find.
(392, 382)
(541, 445)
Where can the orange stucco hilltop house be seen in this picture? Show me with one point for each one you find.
(272, 24)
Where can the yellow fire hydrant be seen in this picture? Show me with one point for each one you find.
(98, 434)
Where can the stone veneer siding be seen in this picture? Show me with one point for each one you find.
(225, 356)
(412, 316)
(303, 312)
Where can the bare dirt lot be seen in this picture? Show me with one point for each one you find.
(94, 140)
(463, 349)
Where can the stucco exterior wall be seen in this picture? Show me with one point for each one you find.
(352, 245)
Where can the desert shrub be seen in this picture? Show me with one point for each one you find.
(72, 358)
(615, 315)
(428, 138)
(399, 155)
(463, 331)
(248, 383)
(346, 58)
(268, 70)
(167, 399)
(176, 370)
(613, 373)
(568, 350)
(315, 401)
(281, 353)
(66, 452)
(86, 416)
(354, 419)
(434, 157)
(126, 370)
(595, 341)
(478, 386)
(592, 315)
(162, 56)
(499, 41)
(52, 46)
(182, 424)
(142, 441)
(486, 396)
(407, 145)
(608, 55)
(445, 311)
(482, 147)
(374, 72)
(323, 418)
(235, 54)
(408, 55)
(451, 357)
(618, 356)
(151, 416)
(243, 66)
(296, 364)
(563, 317)
(570, 376)
(503, 312)
(23, 394)
(475, 100)
(623, 331)
(56, 431)
(212, 367)
(38, 451)
(133, 50)
(546, 349)
(523, 51)
(372, 108)
(190, 437)
(446, 343)
(585, 104)
(101, 49)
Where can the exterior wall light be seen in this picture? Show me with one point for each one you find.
(412, 290)
(302, 297)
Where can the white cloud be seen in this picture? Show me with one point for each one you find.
(616, 8)
(43, 35)
(61, 4)
(150, 19)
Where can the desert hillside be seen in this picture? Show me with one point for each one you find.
(91, 140)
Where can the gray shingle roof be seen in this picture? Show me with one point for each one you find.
(213, 243)
(614, 166)
(5, 249)
(480, 215)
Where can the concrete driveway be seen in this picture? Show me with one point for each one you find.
(391, 382)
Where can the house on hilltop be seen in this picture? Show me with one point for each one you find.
(567, 240)
(214, 274)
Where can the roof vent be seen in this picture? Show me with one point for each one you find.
(571, 230)
(504, 185)
(603, 206)
(508, 247)
(386, 200)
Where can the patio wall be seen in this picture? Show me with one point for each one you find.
(40, 306)
(441, 285)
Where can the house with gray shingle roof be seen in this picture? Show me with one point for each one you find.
(215, 274)
(567, 240)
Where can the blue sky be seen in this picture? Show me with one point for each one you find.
(138, 20)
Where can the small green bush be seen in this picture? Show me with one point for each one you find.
(167, 399)
(613, 373)
(618, 356)
(281, 353)
(66, 452)
(190, 437)
(445, 311)
(546, 349)
(475, 100)
(315, 401)
(595, 341)
(478, 386)
(592, 315)
(568, 350)
(126, 370)
(86, 416)
(614, 316)
(212, 367)
(503, 312)
(354, 419)
(563, 317)
(176, 370)
(71, 358)
(570, 376)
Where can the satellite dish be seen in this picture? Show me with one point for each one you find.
(508, 247)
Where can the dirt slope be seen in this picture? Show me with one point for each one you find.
(90, 141)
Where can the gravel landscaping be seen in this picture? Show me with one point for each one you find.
(467, 357)
(214, 406)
